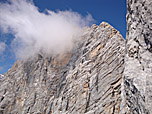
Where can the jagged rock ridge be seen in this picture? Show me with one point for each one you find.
(85, 80)
(100, 75)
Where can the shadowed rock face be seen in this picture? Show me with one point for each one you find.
(92, 77)
(138, 59)
(87, 79)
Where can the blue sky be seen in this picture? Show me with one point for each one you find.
(111, 11)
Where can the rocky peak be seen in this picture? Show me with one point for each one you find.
(101, 74)
(86, 79)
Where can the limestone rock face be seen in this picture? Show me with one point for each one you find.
(138, 61)
(86, 79)
(101, 74)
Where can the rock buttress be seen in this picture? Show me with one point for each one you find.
(85, 80)
(137, 94)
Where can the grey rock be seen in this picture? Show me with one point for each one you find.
(101, 74)
(137, 79)
(85, 80)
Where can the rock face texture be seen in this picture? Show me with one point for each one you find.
(138, 60)
(85, 80)
(100, 75)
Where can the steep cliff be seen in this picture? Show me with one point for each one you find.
(86, 79)
(138, 59)
(99, 75)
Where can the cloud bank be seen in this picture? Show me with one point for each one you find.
(36, 32)
(2, 47)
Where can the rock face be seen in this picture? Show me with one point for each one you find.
(95, 77)
(85, 80)
(138, 60)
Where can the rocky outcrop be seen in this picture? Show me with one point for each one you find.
(99, 75)
(86, 79)
(137, 82)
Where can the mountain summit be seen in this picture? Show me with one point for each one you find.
(87, 76)
(101, 74)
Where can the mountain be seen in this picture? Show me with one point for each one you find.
(138, 58)
(80, 81)
(102, 74)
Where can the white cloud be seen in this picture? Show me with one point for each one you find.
(35, 32)
(2, 47)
